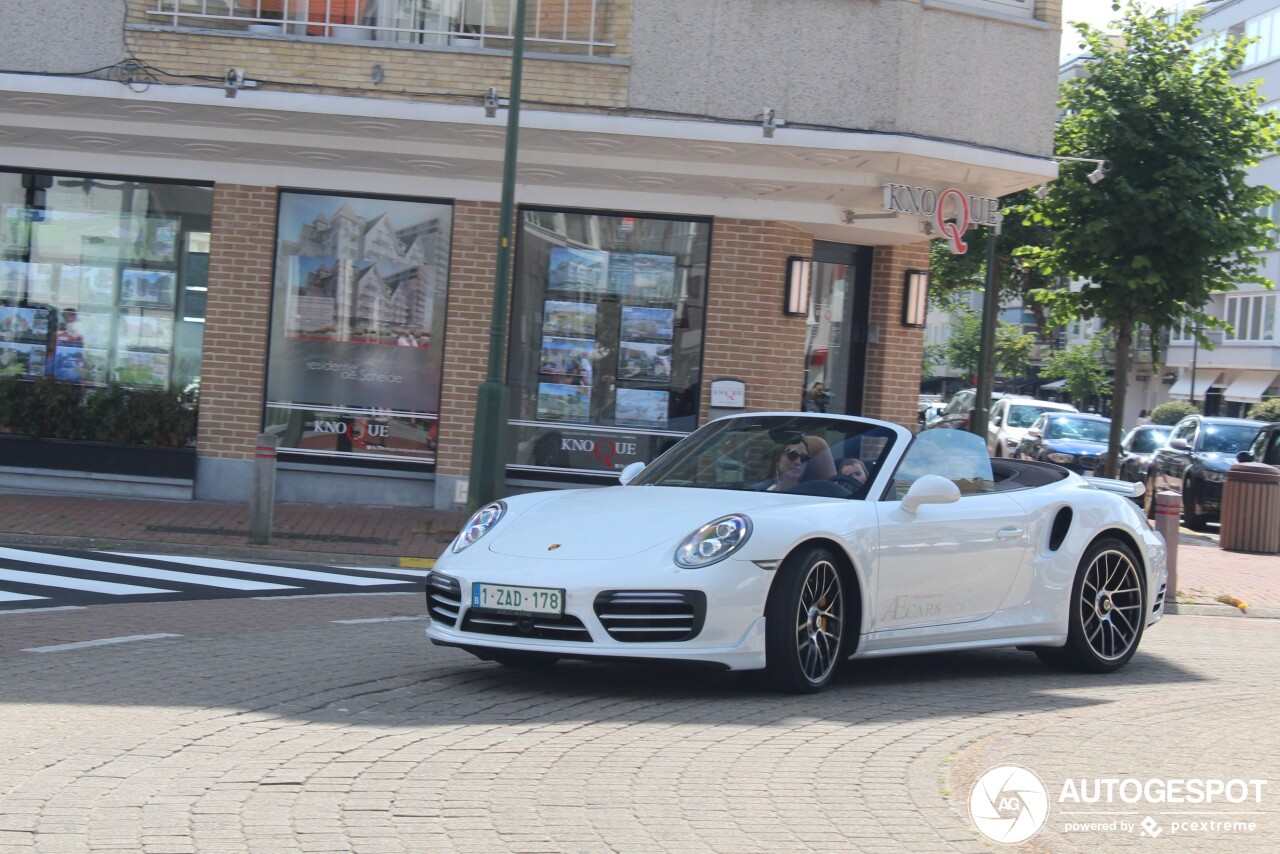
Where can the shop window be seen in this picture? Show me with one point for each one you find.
(97, 280)
(606, 339)
(357, 327)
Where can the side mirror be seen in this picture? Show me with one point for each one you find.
(629, 473)
(1033, 433)
(930, 489)
(1179, 444)
(1244, 457)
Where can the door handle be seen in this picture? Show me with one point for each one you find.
(1009, 533)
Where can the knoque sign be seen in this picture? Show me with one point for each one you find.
(951, 210)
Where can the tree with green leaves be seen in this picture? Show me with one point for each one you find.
(1175, 219)
(1014, 348)
(1082, 368)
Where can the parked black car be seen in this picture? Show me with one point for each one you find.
(1265, 448)
(1073, 440)
(1194, 464)
(1137, 448)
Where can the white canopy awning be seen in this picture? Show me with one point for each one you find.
(1204, 380)
(1248, 386)
(1054, 386)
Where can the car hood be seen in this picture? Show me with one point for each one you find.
(1218, 462)
(1075, 446)
(617, 521)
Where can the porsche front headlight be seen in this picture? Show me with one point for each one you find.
(713, 542)
(1215, 476)
(479, 524)
(1061, 459)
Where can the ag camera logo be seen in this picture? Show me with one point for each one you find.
(1009, 804)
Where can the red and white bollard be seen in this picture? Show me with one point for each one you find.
(1168, 512)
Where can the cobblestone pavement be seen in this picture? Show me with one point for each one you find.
(266, 726)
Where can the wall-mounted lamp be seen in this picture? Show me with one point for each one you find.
(915, 298)
(235, 81)
(1042, 191)
(769, 122)
(1100, 171)
(799, 278)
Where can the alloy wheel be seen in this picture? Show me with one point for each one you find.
(1111, 605)
(819, 621)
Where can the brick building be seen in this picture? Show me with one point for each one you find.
(707, 190)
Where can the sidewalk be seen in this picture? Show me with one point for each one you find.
(311, 533)
(387, 536)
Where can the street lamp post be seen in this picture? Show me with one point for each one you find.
(980, 418)
(489, 439)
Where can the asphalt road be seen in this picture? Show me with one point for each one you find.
(327, 723)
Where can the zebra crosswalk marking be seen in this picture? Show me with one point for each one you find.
(111, 588)
(6, 596)
(68, 562)
(281, 571)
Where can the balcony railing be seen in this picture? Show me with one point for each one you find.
(552, 26)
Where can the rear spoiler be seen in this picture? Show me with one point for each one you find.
(1129, 489)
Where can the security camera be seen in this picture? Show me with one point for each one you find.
(1098, 174)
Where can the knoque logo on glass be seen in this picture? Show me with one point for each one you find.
(1008, 804)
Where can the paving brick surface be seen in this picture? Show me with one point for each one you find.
(267, 727)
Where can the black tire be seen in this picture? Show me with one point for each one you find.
(516, 658)
(1107, 613)
(807, 622)
(1191, 517)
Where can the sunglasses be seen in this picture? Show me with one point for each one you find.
(793, 455)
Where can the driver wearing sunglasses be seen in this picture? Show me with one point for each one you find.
(788, 464)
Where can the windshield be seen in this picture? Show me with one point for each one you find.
(1078, 429)
(1023, 416)
(804, 455)
(1227, 438)
(1146, 441)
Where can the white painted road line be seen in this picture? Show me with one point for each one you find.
(5, 596)
(67, 562)
(62, 647)
(419, 574)
(376, 620)
(111, 588)
(279, 571)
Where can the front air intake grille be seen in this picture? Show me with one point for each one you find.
(1088, 461)
(540, 626)
(444, 599)
(649, 616)
(1159, 600)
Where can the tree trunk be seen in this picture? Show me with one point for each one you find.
(1119, 389)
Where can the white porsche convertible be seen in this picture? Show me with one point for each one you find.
(791, 542)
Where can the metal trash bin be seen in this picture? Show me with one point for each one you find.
(1251, 509)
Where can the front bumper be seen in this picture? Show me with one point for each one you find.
(729, 633)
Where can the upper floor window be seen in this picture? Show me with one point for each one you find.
(579, 27)
(1252, 317)
(1267, 32)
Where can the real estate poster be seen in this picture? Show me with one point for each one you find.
(583, 270)
(358, 304)
(638, 407)
(647, 324)
(563, 402)
(137, 368)
(148, 288)
(644, 361)
(569, 319)
(567, 359)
